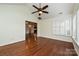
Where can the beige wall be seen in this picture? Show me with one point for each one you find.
(12, 22)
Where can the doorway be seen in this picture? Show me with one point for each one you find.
(31, 33)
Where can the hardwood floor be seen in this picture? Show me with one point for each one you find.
(40, 47)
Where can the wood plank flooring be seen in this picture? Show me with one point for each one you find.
(40, 47)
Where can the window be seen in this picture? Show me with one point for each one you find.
(77, 26)
(62, 27)
(74, 27)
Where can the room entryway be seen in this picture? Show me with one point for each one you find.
(31, 33)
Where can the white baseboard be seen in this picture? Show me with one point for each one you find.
(10, 42)
(61, 38)
(76, 46)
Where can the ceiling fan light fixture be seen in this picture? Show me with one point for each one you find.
(40, 12)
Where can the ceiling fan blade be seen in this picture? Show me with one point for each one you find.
(35, 7)
(44, 7)
(45, 12)
(34, 12)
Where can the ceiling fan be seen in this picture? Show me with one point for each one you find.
(40, 9)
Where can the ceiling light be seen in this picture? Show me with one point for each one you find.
(40, 12)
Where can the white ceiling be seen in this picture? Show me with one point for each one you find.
(54, 9)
